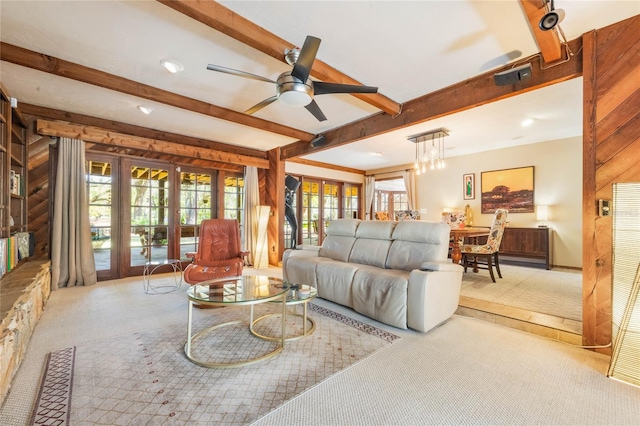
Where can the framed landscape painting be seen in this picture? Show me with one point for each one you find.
(469, 186)
(510, 189)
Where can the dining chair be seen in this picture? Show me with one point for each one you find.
(487, 253)
(402, 215)
(454, 219)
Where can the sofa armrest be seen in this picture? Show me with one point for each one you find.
(441, 266)
(433, 295)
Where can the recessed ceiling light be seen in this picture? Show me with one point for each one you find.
(171, 65)
(145, 109)
(527, 122)
(378, 154)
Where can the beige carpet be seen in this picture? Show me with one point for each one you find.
(555, 292)
(468, 372)
(464, 372)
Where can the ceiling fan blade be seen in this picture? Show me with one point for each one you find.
(238, 73)
(303, 65)
(314, 109)
(322, 88)
(259, 106)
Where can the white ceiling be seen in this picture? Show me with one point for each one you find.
(407, 49)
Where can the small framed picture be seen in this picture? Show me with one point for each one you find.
(469, 186)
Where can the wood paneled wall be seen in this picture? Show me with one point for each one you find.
(611, 72)
(38, 206)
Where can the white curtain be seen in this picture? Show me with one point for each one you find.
(369, 190)
(72, 261)
(410, 188)
(250, 214)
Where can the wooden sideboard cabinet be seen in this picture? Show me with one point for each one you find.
(526, 245)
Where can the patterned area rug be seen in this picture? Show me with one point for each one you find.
(145, 378)
(54, 398)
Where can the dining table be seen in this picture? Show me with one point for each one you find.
(459, 234)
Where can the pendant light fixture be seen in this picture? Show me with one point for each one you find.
(429, 150)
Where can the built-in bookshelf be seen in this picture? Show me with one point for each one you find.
(13, 172)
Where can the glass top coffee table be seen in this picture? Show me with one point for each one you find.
(235, 291)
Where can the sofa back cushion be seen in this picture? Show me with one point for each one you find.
(341, 234)
(373, 239)
(416, 242)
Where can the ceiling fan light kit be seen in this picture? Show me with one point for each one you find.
(295, 88)
(292, 92)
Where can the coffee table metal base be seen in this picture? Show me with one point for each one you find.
(294, 298)
(191, 339)
(305, 330)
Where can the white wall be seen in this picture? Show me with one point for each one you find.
(558, 184)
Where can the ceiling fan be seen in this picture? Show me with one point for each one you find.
(295, 88)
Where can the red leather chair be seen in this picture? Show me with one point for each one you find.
(219, 252)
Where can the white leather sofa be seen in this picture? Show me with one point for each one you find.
(394, 272)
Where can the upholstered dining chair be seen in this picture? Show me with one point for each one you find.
(219, 252)
(454, 219)
(402, 215)
(487, 253)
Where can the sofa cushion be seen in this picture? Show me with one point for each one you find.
(373, 239)
(334, 280)
(381, 294)
(376, 229)
(341, 234)
(417, 242)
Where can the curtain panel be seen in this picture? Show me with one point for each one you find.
(72, 262)
(369, 190)
(410, 187)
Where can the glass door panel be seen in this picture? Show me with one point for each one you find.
(149, 232)
(351, 201)
(310, 211)
(100, 187)
(330, 206)
(196, 195)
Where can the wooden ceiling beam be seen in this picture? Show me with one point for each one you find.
(105, 137)
(326, 166)
(548, 41)
(464, 95)
(62, 68)
(130, 129)
(222, 19)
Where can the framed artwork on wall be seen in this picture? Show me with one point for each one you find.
(469, 186)
(510, 189)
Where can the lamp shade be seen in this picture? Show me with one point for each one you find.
(542, 212)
